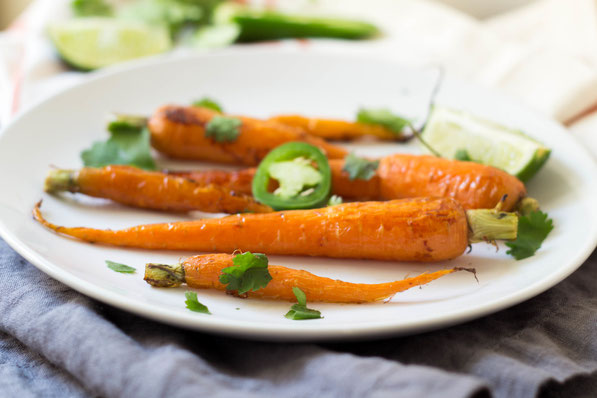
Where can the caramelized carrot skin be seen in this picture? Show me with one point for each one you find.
(203, 272)
(474, 185)
(423, 229)
(152, 190)
(238, 181)
(179, 132)
(332, 129)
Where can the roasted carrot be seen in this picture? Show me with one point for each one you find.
(338, 130)
(403, 230)
(203, 272)
(474, 185)
(151, 190)
(179, 132)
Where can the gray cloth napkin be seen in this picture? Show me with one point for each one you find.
(55, 342)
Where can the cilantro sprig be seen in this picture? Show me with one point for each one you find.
(194, 305)
(299, 311)
(122, 268)
(359, 168)
(223, 128)
(463, 155)
(128, 144)
(533, 228)
(249, 273)
(209, 103)
(383, 117)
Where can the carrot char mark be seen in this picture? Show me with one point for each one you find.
(182, 115)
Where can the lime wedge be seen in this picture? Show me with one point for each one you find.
(91, 43)
(455, 134)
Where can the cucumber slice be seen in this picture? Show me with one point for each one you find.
(91, 43)
(455, 134)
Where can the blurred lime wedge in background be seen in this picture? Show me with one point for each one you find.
(91, 43)
(455, 134)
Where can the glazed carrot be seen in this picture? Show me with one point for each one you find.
(338, 130)
(151, 190)
(203, 272)
(179, 132)
(402, 230)
(474, 185)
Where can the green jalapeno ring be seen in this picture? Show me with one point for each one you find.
(289, 152)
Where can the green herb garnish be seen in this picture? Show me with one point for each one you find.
(463, 155)
(359, 168)
(194, 305)
(300, 311)
(532, 231)
(125, 269)
(223, 128)
(128, 144)
(208, 103)
(249, 273)
(383, 117)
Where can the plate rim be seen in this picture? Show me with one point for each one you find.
(294, 331)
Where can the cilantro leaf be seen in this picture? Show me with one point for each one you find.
(208, 103)
(194, 305)
(128, 144)
(91, 8)
(532, 231)
(335, 200)
(463, 155)
(300, 311)
(384, 117)
(125, 269)
(223, 128)
(359, 168)
(248, 273)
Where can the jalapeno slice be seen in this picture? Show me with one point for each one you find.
(302, 172)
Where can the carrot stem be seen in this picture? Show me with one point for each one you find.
(491, 224)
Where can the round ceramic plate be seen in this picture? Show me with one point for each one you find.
(262, 83)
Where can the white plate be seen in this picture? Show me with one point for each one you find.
(262, 83)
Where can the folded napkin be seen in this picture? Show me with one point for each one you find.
(57, 342)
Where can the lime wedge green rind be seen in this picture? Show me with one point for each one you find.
(449, 131)
(91, 43)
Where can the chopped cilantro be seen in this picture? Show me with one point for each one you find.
(462, 154)
(91, 8)
(249, 272)
(532, 231)
(125, 269)
(300, 311)
(335, 200)
(209, 103)
(128, 144)
(223, 128)
(359, 168)
(383, 117)
(194, 305)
